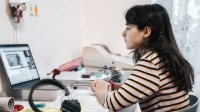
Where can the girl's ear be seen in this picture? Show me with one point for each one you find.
(147, 32)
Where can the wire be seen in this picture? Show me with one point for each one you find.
(15, 34)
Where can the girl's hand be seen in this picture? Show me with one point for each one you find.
(93, 84)
(101, 88)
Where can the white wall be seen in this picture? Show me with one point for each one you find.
(6, 27)
(63, 27)
(54, 36)
(103, 22)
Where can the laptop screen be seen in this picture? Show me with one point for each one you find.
(18, 63)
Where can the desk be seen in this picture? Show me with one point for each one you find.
(86, 98)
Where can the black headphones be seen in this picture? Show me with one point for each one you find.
(67, 105)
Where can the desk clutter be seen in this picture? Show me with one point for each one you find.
(6, 103)
(76, 100)
(74, 70)
(68, 105)
(97, 60)
(73, 75)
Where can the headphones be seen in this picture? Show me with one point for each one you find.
(66, 106)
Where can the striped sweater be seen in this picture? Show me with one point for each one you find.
(151, 86)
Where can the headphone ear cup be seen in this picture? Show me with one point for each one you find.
(71, 106)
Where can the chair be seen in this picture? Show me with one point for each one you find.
(194, 103)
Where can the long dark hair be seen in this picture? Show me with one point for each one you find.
(162, 41)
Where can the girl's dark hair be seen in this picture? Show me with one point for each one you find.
(162, 41)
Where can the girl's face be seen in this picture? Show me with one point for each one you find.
(133, 37)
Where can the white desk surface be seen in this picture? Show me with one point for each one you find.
(86, 98)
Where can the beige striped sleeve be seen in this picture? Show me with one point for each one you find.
(143, 82)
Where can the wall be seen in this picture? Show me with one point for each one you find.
(54, 36)
(103, 22)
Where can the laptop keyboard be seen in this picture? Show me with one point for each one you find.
(28, 85)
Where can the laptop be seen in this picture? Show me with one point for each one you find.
(19, 65)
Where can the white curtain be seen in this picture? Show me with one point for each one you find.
(185, 20)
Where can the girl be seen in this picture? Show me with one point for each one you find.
(162, 77)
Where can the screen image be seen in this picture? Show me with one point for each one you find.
(29, 60)
(19, 64)
(14, 60)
